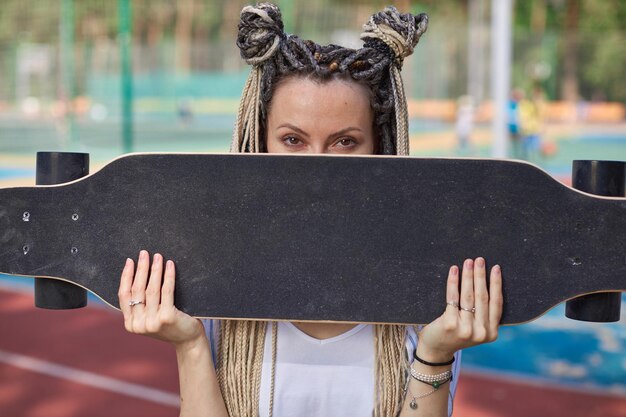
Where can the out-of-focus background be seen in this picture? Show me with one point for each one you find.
(109, 77)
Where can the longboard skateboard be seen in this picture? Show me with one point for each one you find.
(319, 238)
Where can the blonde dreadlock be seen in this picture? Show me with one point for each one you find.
(389, 38)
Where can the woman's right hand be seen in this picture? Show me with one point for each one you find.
(472, 315)
(155, 315)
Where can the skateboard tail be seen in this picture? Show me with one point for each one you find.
(605, 178)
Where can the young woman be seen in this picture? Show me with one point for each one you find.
(306, 98)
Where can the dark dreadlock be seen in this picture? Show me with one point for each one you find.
(389, 37)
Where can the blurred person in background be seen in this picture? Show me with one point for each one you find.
(464, 123)
(531, 113)
(514, 123)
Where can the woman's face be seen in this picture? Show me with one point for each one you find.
(312, 117)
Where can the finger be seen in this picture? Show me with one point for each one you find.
(495, 300)
(452, 290)
(126, 281)
(153, 291)
(481, 296)
(141, 278)
(467, 291)
(167, 292)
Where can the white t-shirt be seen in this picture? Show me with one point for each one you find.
(322, 377)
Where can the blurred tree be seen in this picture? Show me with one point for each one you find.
(591, 53)
(538, 16)
(603, 61)
(184, 20)
(569, 86)
(580, 43)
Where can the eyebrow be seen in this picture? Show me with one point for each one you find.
(302, 132)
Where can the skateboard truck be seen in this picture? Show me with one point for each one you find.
(606, 178)
(58, 168)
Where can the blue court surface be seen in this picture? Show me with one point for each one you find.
(8, 173)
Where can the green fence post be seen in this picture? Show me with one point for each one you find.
(68, 89)
(125, 29)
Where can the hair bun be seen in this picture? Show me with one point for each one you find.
(260, 32)
(394, 30)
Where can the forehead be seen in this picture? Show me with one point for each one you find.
(338, 101)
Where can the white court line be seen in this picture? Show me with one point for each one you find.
(89, 379)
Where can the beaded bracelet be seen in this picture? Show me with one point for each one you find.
(435, 381)
(435, 384)
(430, 379)
(425, 362)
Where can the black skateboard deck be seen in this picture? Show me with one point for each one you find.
(320, 238)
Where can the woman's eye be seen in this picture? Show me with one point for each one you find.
(291, 140)
(346, 142)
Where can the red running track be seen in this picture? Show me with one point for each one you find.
(83, 363)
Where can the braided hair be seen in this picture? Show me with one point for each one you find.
(389, 37)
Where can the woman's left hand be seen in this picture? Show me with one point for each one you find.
(471, 318)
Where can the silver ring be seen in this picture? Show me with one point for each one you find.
(133, 303)
(453, 304)
(471, 310)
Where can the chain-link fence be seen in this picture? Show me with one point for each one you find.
(61, 65)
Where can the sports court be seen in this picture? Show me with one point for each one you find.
(83, 363)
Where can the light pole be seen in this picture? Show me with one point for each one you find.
(501, 39)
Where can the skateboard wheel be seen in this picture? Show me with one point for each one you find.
(606, 178)
(26, 216)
